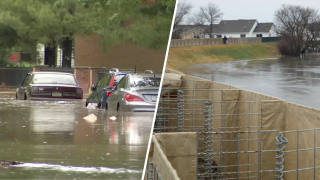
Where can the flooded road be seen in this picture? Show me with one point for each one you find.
(292, 79)
(56, 143)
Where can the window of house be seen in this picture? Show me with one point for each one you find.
(242, 35)
(259, 35)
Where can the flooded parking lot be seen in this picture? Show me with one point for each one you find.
(55, 142)
(290, 78)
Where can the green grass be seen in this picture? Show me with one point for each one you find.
(188, 55)
(241, 51)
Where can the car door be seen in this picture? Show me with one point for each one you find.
(26, 86)
(22, 88)
(113, 99)
(95, 96)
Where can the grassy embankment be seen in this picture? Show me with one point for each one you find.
(185, 56)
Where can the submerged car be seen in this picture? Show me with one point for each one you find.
(49, 86)
(135, 93)
(102, 90)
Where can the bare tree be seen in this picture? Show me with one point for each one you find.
(211, 13)
(197, 19)
(299, 28)
(183, 9)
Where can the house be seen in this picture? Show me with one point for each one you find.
(243, 28)
(230, 28)
(188, 32)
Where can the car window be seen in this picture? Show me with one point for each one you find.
(104, 81)
(140, 81)
(122, 83)
(118, 78)
(54, 79)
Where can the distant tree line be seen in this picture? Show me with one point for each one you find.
(26, 23)
(299, 29)
(206, 16)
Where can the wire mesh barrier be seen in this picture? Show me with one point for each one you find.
(183, 111)
(152, 172)
(237, 138)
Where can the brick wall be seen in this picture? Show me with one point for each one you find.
(89, 52)
(82, 75)
(94, 75)
(38, 68)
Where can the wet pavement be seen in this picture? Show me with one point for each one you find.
(55, 142)
(293, 79)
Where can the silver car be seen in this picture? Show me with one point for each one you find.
(135, 93)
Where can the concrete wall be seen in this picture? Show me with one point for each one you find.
(200, 42)
(89, 52)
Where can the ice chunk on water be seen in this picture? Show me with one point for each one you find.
(113, 118)
(90, 118)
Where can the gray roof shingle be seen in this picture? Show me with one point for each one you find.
(232, 26)
(263, 27)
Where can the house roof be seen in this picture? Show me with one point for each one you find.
(263, 27)
(232, 26)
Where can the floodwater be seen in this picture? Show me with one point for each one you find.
(55, 142)
(293, 79)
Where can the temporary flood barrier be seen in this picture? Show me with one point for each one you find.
(232, 133)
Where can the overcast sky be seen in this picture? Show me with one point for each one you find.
(262, 10)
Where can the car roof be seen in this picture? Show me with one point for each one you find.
(121, 74)
(46, 72)
(146, 75)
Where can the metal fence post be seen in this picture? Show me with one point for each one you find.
(180, 109)
(281, 141)
(208, 138)
(159, 117)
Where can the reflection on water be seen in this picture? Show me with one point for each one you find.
(56, 142)
(289, 78)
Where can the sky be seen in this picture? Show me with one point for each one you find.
(262, 10)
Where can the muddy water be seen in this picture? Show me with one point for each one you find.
(56, 143)
(293, 79)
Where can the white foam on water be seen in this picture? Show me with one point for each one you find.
(88, 170)
(92, 106)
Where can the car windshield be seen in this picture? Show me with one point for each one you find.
(54, 79)
(145, 82)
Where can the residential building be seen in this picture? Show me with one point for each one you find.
(230, 28)
(189, 31)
